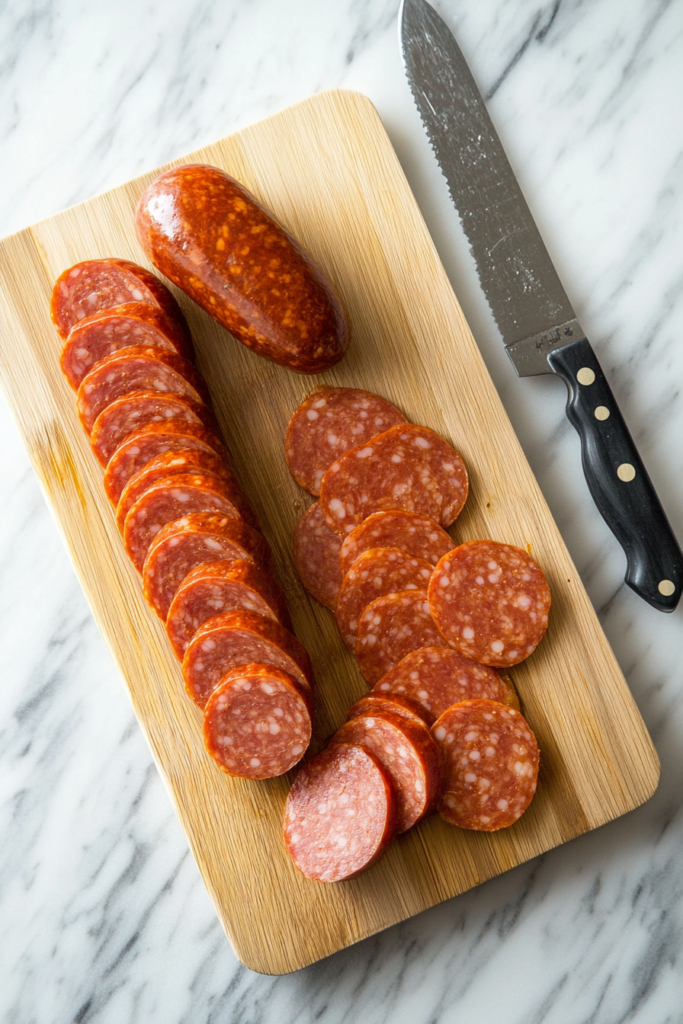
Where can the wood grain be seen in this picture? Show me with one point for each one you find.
(326, 169)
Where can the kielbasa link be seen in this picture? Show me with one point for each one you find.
(327, 424)
(490, 601)
(100, 284)
(340, 814)
(490, 765)
(257, 722)
(205, 232)
(102, 333)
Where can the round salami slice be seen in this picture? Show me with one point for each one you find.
(377, 703)
(187, 542)
(417, 535)
(150, 441)
(410, 755)
(215, 587)
(340, 814)
(490, 602)
(437, 677)
(241, 638)
(391, 627)
(191, 460)
(136, 369)
(168, 499)
(257, 722)
(316, 556)
(407, 468)
(132, 412)
(490, 765)
(100, 284)
(327, 424)
(101, 334)
(377, 572)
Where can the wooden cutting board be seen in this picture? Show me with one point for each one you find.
(327, 170)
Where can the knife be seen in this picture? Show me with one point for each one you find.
(540, 331)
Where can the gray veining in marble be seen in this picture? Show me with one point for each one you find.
(104, 916)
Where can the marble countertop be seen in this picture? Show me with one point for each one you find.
(104, 915)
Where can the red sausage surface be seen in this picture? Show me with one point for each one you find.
(340, 814)
(407, 468)
(92, 285)
(187, 542)
(129, 414)
(415, 534)
(134, 323)
(490, 601)
(136, 369)
(490, 765)
(150, 441)
(169, 499)
(208, 235)
(241, 638)
(377, 572)
(408, 752)
(215, 587)
(327, 424)
(391, 627)
(257, 722)
(437, 677)
(316, 557)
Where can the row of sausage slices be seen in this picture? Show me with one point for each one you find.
(189, 530)
(431, 624)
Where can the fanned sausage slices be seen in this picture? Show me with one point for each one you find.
(408, 468)
(316, 557)
(329, 423)
(437, 677)
(340, 814)
(240, 638)
(132, 412)
(415, 534)
(93, 285)
(133, 324)
(391, 627)
(257, 722)
(409, 754)
(490, 601)
(490, 765)
(188, 542)
(215, 587)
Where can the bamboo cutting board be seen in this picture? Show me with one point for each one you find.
(326, 169)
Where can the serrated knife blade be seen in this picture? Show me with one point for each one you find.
(535, 318)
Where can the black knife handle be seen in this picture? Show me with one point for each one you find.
(618, 480)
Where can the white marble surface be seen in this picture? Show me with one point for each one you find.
(103, 915)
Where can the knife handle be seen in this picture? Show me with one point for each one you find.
(618, 480)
